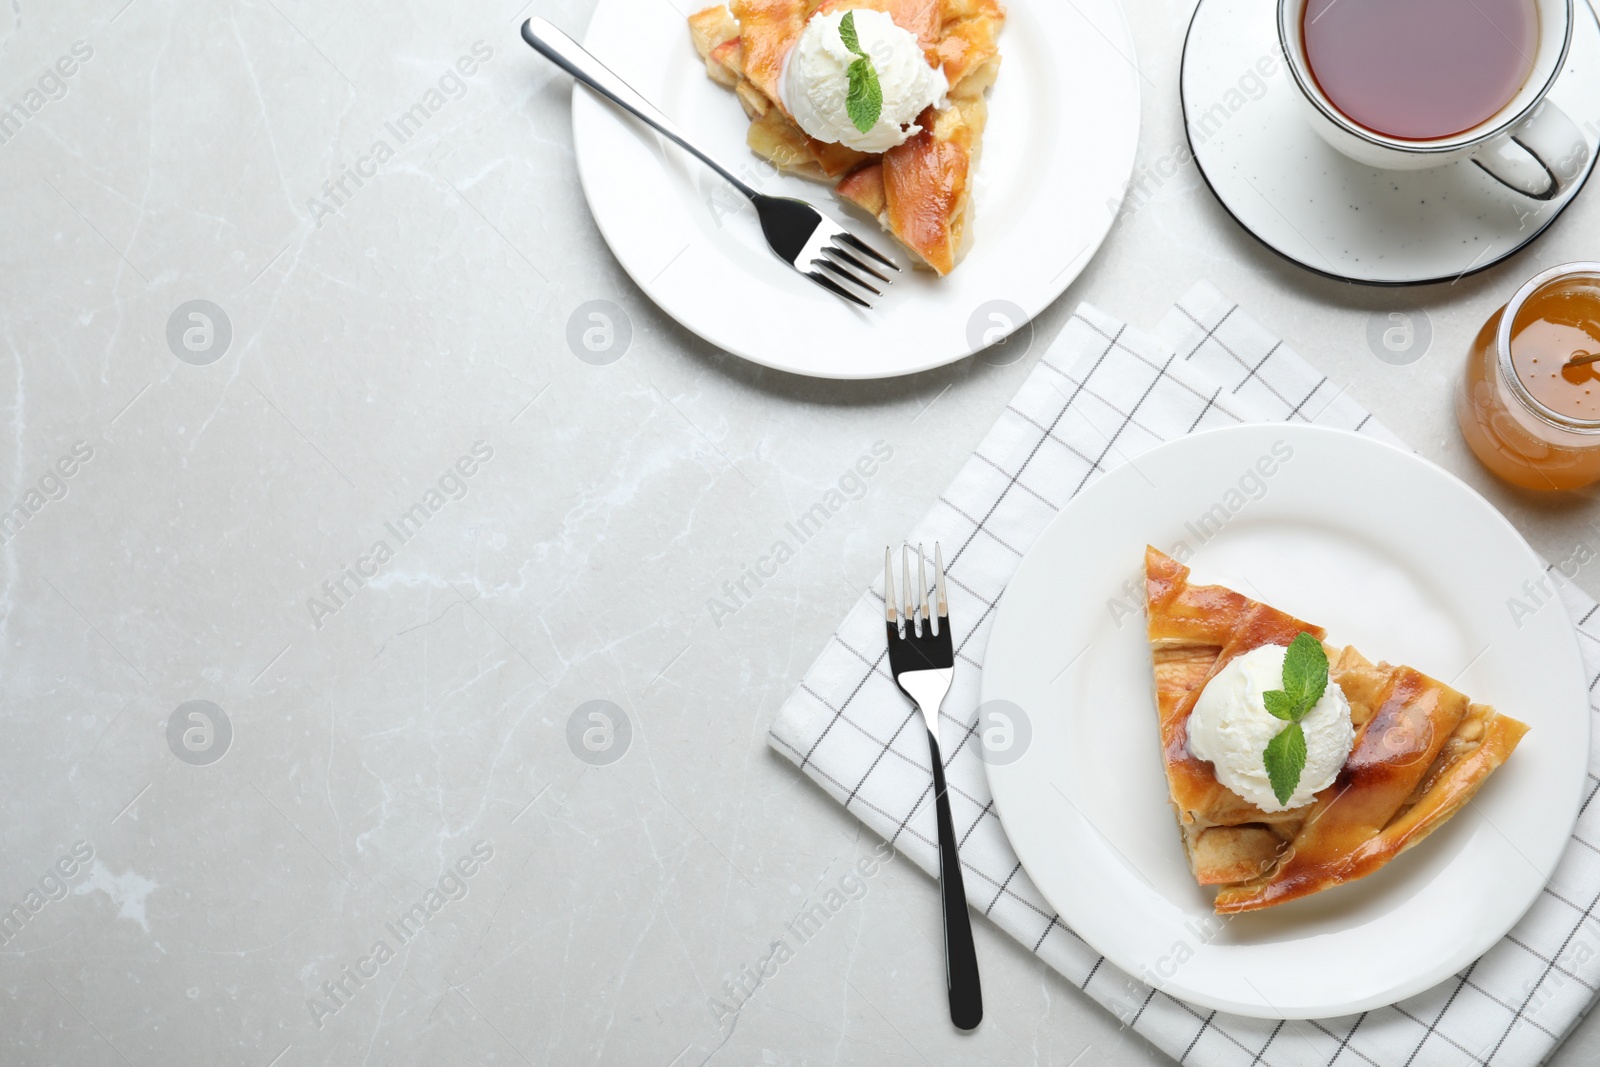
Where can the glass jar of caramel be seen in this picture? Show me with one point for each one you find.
(1531, 407)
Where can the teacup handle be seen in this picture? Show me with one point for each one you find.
(1540, 157)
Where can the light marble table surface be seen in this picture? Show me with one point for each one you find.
(399, 746)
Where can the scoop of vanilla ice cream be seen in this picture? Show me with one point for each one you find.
(1230, 726)
(816, 82)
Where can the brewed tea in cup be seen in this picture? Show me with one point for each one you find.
(1412, 84)
(1419, 70)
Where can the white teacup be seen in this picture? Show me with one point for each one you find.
(1530, 145)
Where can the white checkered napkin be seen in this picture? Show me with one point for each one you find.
(1212, 335)
(1102, 393)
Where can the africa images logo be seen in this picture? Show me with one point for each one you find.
(452, 485)
(50, 86)
(452, 885)
(451, 85)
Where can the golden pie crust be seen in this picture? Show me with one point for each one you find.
(919, 191)
(1421, 751)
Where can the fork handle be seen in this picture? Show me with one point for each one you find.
(579, 62)
(960, 958)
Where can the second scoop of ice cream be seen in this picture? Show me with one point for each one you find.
(816, 80)
(1230, 726)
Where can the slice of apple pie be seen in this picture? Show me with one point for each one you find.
(912, 171)
(1414, 750)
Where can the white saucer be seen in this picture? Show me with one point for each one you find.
(1062, 133)
(1328, 213)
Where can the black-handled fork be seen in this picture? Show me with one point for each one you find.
(810, 241)
(923, 662)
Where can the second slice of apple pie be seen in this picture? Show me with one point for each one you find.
(1421, 750)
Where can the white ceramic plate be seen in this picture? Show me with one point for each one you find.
(1390, 554)
(1328, 213)
(1063, 127)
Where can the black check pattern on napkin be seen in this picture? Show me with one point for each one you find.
(1101, 395)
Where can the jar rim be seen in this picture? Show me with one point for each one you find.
(1508, 372)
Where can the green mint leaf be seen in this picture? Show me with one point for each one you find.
(865, 102)
(1279, 704)
(847, 34)
(1305, 673)
(1285, 758)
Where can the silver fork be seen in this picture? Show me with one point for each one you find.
(924, 664)
(809, 240)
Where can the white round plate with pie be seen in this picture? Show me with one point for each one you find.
(1388, 553)
(1057, 151)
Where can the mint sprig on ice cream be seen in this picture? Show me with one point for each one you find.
(1305, 679)
(864, 104)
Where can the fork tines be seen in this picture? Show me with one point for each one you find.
(842, 263)
(915, 611)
